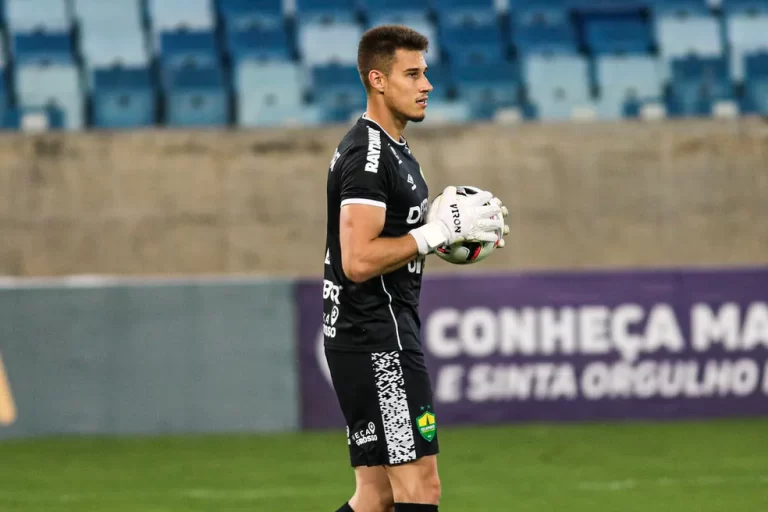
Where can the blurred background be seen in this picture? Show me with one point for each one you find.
(162, 234)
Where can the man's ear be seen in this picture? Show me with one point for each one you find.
(377, 80)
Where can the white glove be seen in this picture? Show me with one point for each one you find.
(452, 220)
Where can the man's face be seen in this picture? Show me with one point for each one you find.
(407, 86)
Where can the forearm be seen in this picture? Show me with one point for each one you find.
(380, 256)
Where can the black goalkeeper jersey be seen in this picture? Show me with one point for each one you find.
(369, 167)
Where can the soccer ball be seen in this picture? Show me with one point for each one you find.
(463, 253)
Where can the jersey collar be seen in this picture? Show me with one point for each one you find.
(399, 143)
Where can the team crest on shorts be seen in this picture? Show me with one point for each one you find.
(427, 425)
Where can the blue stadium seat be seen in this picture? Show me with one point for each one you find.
(326, 11)
(697, 83)
(280, 115)
(188, 48)
(321, 44)
(678, 7)
(756, 83)
(744, 6)
(105, 47)
(338, 87)
(197, 97)
(259, 44)
(473, 45)
(550, 12)
(171, 15)
(274, 86)
(123, 98)
(556, 84)
(37, 119)
(489, 87)
(32, 15)
(442, 81)
(396, 11)
(677, 36)
(247, 14)
(620, 32)
(59, 84)
(746, 33)
(115, 13)
(549, 35)
(5, 96)
(466, 13)
(448, 112)
(42, 47)
(624, 80)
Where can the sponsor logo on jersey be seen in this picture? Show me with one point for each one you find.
(367, 435)
(331, 291)
(374, 150)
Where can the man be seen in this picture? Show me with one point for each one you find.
(377, 239)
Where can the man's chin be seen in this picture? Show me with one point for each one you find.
(417, 118)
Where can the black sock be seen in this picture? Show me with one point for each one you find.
(414, 507)
(345, 508)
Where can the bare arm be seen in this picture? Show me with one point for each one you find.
(364, 254)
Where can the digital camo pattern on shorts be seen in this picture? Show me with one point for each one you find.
(393, 402)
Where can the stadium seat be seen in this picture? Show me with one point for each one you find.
(241, 15)
(33, 15)
(259, 44)
(105, 47)
(623, 80)
(281, 115)
(489, 87)
(396, 11)
(679, 7)
(115, 13)
(746, 33)
(697, 84)
(325, 11)
(338, 87)
(616, 33)
(756, 83)
(5, 96)
(188, 48)
(56, 84)
(473, 45)
(42, 47)
(37, 119)
(320, 44)
(197, 97)
(548, 35)
(556, 84)
(677, 36)
(466, 13)
(172, 15)
(274, 86)
(744, 6)
(123, 98)
(441, 79)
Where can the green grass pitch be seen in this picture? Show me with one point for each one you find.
(715, 466)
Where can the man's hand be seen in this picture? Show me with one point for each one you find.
(452, 219)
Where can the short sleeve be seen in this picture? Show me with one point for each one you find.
(365, 178)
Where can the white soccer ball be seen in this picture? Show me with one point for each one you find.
(464, 253)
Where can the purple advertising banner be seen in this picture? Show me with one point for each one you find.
(576, 346)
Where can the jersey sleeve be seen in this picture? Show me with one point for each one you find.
(365, 177)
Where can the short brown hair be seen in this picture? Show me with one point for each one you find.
(378, 46)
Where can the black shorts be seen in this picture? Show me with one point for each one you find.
(386, 399)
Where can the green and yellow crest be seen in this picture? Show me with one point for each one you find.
(427, 425)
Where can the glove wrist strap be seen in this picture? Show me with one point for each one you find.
(428, 237)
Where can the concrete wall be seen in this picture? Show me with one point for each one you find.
(149, 358)
(580, 195)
